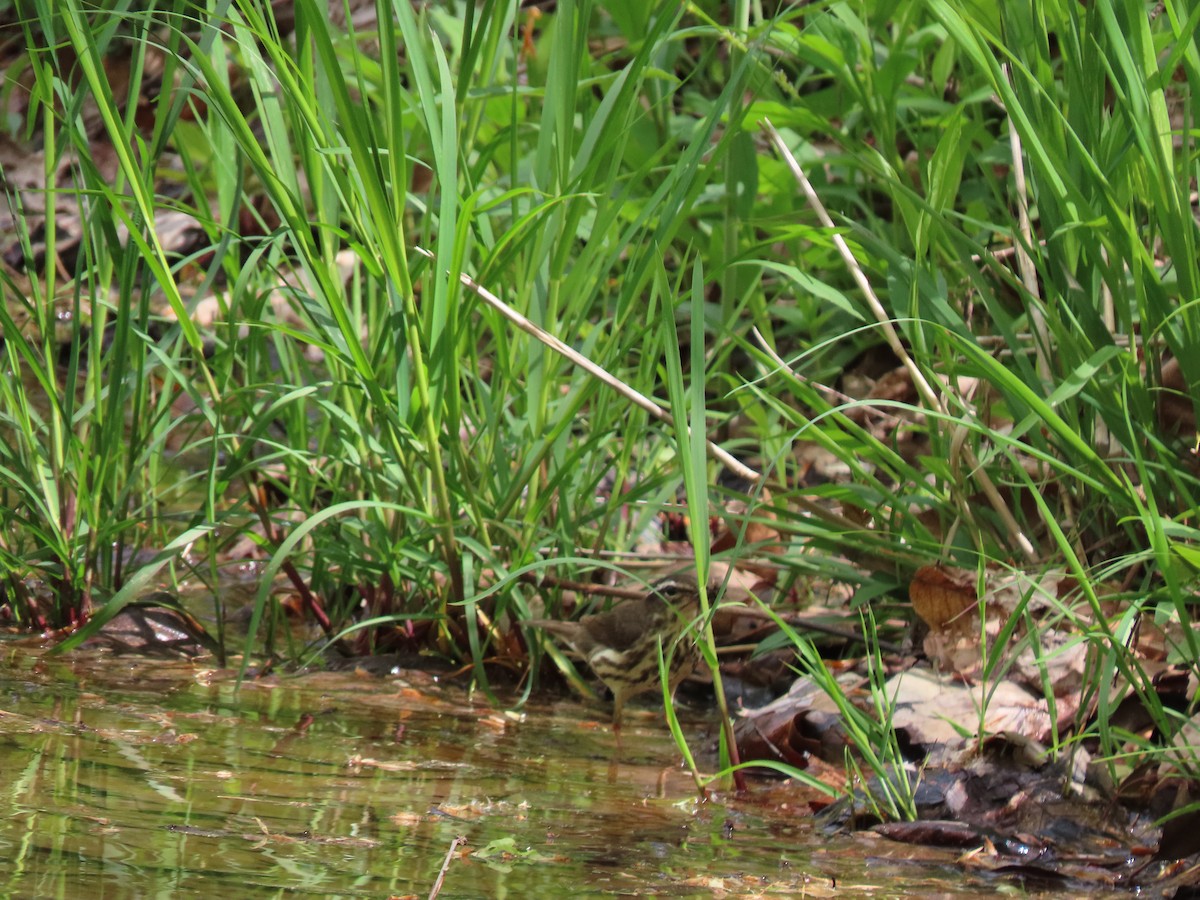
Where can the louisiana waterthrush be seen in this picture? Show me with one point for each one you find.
(621, 645)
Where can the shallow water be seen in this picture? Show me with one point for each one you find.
(149, 778)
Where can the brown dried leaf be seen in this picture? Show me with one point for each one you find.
(728, 530)
(802, 722)
(940, 594)
(933, 710)
(1176, 409)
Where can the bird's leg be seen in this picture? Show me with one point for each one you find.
(618, 705)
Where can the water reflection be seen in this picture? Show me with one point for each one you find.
(159, 779)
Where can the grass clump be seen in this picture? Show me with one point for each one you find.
(1016, 245)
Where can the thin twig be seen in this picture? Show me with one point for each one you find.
(437, 885)
(574, 356)
(927, 393)
(1025, 265)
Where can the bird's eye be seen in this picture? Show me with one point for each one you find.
(671, 590)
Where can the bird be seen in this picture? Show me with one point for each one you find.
(621, 645)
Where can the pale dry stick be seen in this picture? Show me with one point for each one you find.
(437, 885)
(928, 396)
(1029, 277)
(733, 464)
(723, 456)
(1037, 322)
(1001, 254)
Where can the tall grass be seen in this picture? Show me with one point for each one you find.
(1052, 452)
(604, 171)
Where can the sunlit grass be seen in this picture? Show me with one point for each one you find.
(604, 170)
